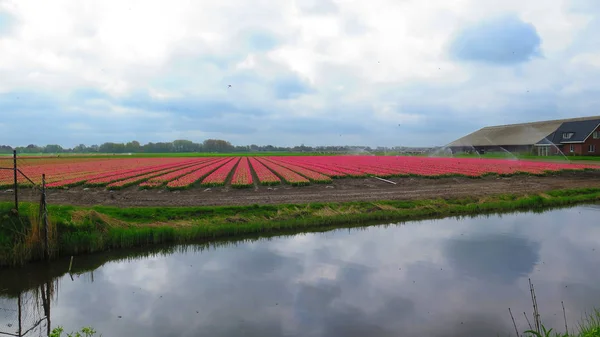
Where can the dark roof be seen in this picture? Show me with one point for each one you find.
(515, 134)
(580, 129)
(549, 140)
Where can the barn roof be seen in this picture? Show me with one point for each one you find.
(581, 131)
(516, 134)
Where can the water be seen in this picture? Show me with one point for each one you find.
(557, 149)
(512, 156)
(442, 152)
(449, 277)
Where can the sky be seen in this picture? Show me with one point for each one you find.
(290, 72)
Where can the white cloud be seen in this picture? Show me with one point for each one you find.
(377, 57)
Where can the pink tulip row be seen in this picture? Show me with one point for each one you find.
(138, 179)
(130, 174)
(311, 175)
(183, 172)
(165, 178)
(423, 166)
(242, 177)
(189, 179)
(219, 176)
(265, 176)
(286, 174)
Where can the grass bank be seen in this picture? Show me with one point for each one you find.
(79, 230)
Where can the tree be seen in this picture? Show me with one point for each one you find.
(81, 148)
(217, 145)
(53, 148)
(182, 145)
(5, 149)
(133, 147)
(112, 148)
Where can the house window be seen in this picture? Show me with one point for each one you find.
(596, 134)
(571, 148)
(592, 148)
(568, 135)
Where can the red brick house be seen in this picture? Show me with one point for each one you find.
(577, 138)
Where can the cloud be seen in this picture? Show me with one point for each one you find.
(6, 21)
(495, 258)
(395, 73)
(291, 87)
(318, 7)
(262, 41)
(505, 40)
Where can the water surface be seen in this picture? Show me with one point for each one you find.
(449, 277)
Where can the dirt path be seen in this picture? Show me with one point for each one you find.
(368, 189)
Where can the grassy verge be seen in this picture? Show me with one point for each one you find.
(78, 230)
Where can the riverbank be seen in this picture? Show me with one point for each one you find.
(79, 230)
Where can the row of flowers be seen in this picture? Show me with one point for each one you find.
(242, 177)
(286, 174)
(183, 172)
(188, 180)
(219, 176)
(265, 176)
(422, 166)
(161, 180)
(312, 175)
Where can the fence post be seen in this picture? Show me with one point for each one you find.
(45, 219)
(16, 185)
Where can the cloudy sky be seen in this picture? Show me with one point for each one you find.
(318, 72)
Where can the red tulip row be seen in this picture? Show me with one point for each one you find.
(130, 174)
(107, 170)
(311, 175)
(138, 179)
(265, 176)
(183, 172)
(423, 166)
(165, 178)
(242, 177)
(189, 179)
(287, 175)
(219, 176)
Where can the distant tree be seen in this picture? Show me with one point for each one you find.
(182, 145)
(5, 149)
(81, 148)
(31, 148)
(112, 148)
(53, 148)
(217, 145)
(133, 147)
(158, 148)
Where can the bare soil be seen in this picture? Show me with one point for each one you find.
(341, 190)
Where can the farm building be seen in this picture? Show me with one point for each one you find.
(574, 136)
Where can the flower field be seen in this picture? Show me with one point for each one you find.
(179, 173)
(242, 177)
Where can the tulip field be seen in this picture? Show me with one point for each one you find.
(240, 172)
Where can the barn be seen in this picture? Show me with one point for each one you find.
(574, 136)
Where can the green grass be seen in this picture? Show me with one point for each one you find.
(84, 230)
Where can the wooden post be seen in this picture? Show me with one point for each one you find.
(45, 219)
(20, 315)
(16, 183)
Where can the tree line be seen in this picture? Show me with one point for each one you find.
(184, 146)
